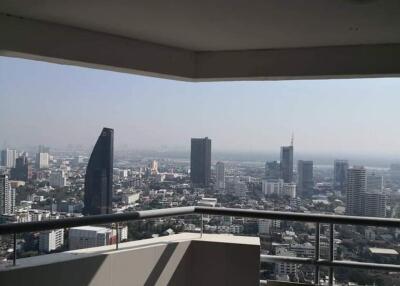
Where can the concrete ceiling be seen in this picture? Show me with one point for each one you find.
(222, 30)
(214, 25)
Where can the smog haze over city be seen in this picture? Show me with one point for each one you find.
(65, 106)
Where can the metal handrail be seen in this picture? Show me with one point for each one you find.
(304, 217)
(14, 228)
(11, 228)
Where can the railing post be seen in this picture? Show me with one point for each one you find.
(331, 252)
(116, 244)
(201, 226)
(317, 235)
(15, 250)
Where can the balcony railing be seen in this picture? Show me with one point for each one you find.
(317, 262)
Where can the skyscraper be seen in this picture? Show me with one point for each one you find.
(58, 179)
(98, 178)
(8, 157)
(374, 183)
(272, 170)
(220, 175)
(22, 170)
(305, 174)
(272, 187)
(287, 163)
(356, 187)
(375, 204)
(154, 167)
(340, 174)
(7, 196)
(42, 160)
(200, 161)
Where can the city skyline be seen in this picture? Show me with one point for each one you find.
(347, 116)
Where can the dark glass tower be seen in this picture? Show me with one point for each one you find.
(200, 161)
(340, 174)
(99, 175)
(305, 177)
(22, 170)
(272, 170)
(287, 163)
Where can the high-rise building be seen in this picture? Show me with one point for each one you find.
(356, 187)
(43, 149)
(287, 163)
(89, 236)
(272, 187)
(220, 175)
(374, 183)
(272, 170)
(375, 204)
(200, 161)
(99, 175)
(7, 196)
(154, 167)
(42, 160)
(305, 176)
(283, 269)
(395, 173)
(8, 157)
(340, 175)
(51, 240)
(58, 179)
(22, 170)
(289, 190)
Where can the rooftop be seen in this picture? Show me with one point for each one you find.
(384, 251)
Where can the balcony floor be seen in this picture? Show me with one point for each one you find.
(182, 259)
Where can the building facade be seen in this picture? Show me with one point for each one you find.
(200, 161)
(272, 170)
(374, 183)
(51, 240)
(8, 157)
(42, 160)
(58, 179)
(375, 204)
(287, 164)
(7, 196)
(305, 176)
(89, 236)
(356, 188)
(22, 170)
(289, 190)
(340, 174)
(99, 175)
(220, 175)
(272, 187)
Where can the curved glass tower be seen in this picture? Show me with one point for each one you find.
(99, 174)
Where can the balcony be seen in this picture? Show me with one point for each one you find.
(234, 40)
(182, 259)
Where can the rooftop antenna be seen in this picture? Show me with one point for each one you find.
(292, 140)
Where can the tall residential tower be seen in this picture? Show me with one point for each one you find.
(200, 161)
(340, 175)
(7, 196)
(220, 175)
(356, 188)
(305, 175)
(287, 163)
(8, 157)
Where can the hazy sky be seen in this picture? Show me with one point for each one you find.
(57, 105)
